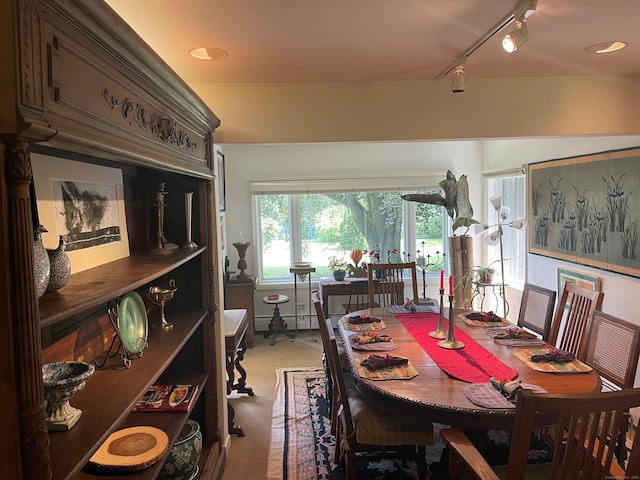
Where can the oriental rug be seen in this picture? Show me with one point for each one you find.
(302, 446)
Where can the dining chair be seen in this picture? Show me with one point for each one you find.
(366, 428)
(387, 282)
(536, 310)
(573, 313)
(326, 330)
(584, 441)
(613, 346)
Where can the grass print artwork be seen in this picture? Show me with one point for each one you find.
(586, 210)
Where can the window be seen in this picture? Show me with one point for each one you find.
(315, 226)
(512, 188)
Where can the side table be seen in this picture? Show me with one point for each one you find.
(235, 344)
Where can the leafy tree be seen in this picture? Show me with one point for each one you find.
(377, 216)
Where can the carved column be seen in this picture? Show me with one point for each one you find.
(208, 223)
(34, 439)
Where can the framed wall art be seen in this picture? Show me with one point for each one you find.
(581, 279)
(221, 181)
(83, 203)
(586, 210)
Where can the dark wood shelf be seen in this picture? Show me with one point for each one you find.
(97, 286)
(110, 394)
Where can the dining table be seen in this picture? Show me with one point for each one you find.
(443, 397)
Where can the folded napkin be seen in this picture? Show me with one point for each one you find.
(554, 355)
(370, 336)
(514, 333)
(364, 318)
(376, 362)
(483, 316)
(508, 389)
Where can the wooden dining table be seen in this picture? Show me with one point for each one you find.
(435, 395)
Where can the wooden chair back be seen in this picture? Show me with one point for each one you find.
(326, 332)
(612, 349)
(572, 315)
(536, 309)
(387, 287)
(585, 439)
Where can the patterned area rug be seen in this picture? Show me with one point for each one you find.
(302, 446)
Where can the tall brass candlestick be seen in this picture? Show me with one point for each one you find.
(440, 332)
(450, 342)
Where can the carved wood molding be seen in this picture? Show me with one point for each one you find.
(163, 128)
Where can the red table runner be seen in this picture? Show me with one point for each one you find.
(473, 363)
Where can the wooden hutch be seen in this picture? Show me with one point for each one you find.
(77, 83)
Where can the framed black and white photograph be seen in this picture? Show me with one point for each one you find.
(84, 204)
(221, 187)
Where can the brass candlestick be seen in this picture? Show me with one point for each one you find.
(242, 263)
(450, 342)
(162, 245)
(440, 332)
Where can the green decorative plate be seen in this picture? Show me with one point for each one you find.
(133, 324)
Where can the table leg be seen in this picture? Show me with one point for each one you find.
(241, 385)
(233, 429)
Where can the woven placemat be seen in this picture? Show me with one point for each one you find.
(485, 395)
(574, 366)
(397, 372)
(514, 342)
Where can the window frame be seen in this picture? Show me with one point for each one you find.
(293, 189)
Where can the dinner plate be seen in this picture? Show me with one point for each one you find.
(133, 324)
(301, 264)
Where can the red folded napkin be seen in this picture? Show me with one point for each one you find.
(483, 316)
(376, 362)
(358, 320)
(554, 355)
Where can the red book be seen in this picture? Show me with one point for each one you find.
(167, 398)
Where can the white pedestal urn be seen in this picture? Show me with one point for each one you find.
(460, 263)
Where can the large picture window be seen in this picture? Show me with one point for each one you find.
(319, 226)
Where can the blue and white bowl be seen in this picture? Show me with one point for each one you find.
(183, 457)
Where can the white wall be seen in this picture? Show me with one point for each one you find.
(272, 161)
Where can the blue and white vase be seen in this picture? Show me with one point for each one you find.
(183, 457)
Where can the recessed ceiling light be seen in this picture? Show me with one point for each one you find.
(208, 53)
(606, 47)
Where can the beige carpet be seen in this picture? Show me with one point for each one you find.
(247, 456)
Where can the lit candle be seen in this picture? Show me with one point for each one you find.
(450, 285)
(441, 279)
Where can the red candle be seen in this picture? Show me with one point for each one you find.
(450, 285)
(441, 279)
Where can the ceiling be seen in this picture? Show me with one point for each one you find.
(380, 40)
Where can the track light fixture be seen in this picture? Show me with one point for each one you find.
(521, 12)
(516, 38)
(458, 81)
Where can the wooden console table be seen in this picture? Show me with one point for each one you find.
(235, 344)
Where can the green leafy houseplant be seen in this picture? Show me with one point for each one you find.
(336, 263)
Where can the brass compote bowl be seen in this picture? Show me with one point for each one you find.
(62, 380)
(160, 295)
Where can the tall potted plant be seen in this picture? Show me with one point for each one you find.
(456, 202)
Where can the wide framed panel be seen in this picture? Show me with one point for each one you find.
(586, 210)
(84, 204)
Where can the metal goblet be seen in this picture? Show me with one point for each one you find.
(160, 295)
